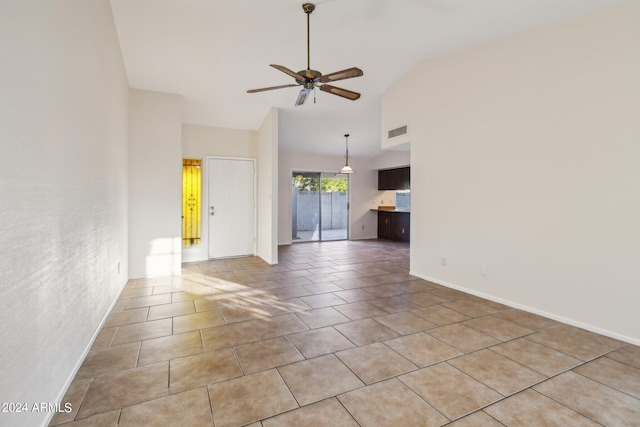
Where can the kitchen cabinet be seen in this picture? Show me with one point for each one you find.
(394, 179)
(384, 225)
(393, 225)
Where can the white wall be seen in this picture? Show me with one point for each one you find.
(198, 142)
(63, 192)
(390, 159)
(268, 188)
(155, 184)
(201, 141)
(524, 160)
(363, 193)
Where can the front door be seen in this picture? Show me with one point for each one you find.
(232, 207)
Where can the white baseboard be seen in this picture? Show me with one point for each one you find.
(542, 313)
(84, 354)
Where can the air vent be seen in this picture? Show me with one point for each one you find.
(402, 130)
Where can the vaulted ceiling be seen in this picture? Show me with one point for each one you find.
(212, 51)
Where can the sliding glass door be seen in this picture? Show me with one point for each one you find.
(319, 206)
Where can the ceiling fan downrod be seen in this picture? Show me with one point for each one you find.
(308, 8)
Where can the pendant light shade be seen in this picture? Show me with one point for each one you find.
(346, 168)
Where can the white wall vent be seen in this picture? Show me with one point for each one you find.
(402, 130)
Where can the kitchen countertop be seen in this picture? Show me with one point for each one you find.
(391, 210)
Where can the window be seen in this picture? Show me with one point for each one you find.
(403, 199)
(191, 201)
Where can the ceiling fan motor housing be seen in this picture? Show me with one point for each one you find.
(311, 76)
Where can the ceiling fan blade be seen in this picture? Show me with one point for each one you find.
(289, 72)
(303, 96)
(340, 92)
(341, 75)
(270, 88)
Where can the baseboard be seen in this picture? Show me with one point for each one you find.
(269, 261)
(76, 368)
(532, 310)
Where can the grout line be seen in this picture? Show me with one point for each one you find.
(84, 395)
(600, 382)
(619, 361)
(138, 354)
(213, 421)
(345, 408)
(289, 389)
(233, 348)
(168, 377)
(565, 406)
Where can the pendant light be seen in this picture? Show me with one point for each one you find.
(346, 168)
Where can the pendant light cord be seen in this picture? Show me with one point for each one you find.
(347, 145)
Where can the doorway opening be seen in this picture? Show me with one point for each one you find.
(319, 206)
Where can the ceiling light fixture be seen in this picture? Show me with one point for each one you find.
(346, 168)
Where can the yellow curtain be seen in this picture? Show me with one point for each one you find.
(191, 199)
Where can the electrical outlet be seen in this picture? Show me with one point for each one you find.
(363, 226)
(443, 261)
(118, 267)
(484, 270)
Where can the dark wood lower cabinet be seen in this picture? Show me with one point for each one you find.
(394, 226)
(384, 225)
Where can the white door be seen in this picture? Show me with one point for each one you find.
(231, 207)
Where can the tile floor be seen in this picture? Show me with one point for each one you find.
(339, 334)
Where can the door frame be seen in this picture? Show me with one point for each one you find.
(255, 201)
(321, 172)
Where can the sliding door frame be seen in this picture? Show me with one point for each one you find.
(323, 174)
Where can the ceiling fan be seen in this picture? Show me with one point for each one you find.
(310, 79)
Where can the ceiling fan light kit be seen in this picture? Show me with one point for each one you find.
(311, 79)
(303, 96)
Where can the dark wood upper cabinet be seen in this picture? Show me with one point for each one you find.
(394, 179)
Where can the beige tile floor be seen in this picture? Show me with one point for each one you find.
(339, 334)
